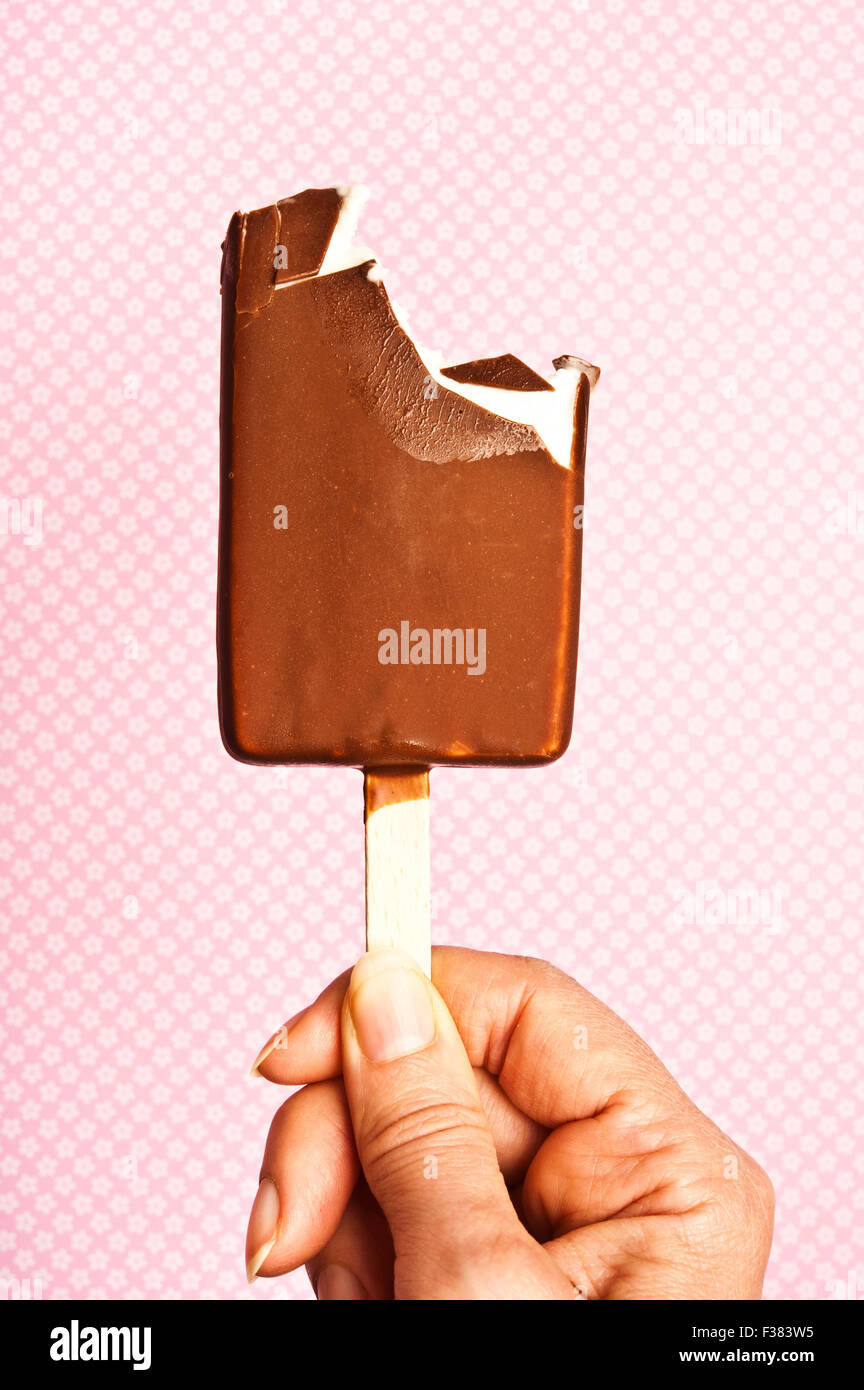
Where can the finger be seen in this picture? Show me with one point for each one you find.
(559, 1053)
(593, 1260)
(309, 1170)
(650, 1258)
(516, 1137)
(612, 1165)
(647, 1154)
(425, 1145)
(357, 1262)
(314, 1051)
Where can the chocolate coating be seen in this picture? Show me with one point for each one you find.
(506, 371)
(358, 495)
(389, 786)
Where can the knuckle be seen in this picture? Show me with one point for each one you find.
(760, 1188)
(537, 971)
(739, 1199)
(545, 973)
(399, 1139)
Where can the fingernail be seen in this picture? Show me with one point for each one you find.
(336, 1283)
(391, 1007)
(261, 1232)
(277, 1040)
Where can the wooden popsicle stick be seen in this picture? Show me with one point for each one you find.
(398, 907)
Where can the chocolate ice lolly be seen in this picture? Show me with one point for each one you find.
(400, 542)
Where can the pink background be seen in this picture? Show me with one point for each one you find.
(165, 908)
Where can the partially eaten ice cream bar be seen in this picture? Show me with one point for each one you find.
(400, 542)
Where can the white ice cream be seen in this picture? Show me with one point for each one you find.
(549, 413)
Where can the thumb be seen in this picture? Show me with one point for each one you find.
(426, 1147)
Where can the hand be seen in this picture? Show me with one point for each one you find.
(501, 1136)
